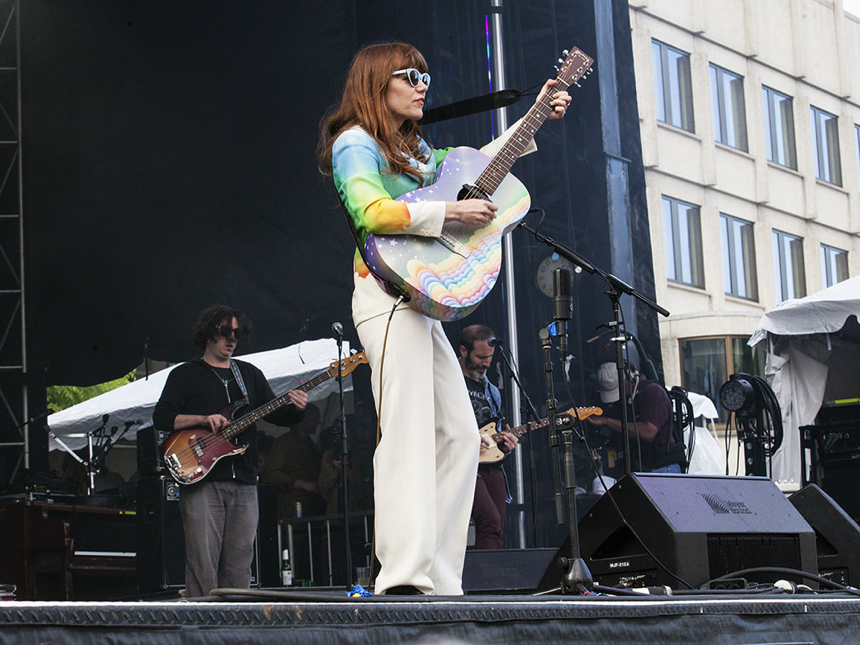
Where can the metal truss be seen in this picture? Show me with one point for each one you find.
(13, 363)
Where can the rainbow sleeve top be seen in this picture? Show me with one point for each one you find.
(368, 189)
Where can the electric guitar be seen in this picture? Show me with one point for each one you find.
(493, 454)
(190, 454)
(448, 276)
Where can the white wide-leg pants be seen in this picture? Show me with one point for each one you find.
(425, 465)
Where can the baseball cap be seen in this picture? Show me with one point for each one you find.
(607, 380)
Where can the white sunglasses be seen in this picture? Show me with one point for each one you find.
(414, 76)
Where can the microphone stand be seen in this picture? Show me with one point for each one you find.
(344, 455)
(576, 578)
(617, 288)
(528, 407)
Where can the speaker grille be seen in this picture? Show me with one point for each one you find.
(730, 553)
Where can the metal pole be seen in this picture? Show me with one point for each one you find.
(497, 50)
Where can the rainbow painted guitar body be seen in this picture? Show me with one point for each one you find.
(448, 276)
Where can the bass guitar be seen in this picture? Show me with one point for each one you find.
(446, 277)
(490, 431)
(190, 454)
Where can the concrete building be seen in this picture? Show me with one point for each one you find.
(750, 125)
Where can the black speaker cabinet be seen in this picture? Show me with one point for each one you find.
(505, 570)
(837, 536)
(160, 539)
(699, 527)
(267, 553)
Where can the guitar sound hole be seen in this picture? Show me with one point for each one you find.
(472, 192)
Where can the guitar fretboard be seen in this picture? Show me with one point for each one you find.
(519, 140)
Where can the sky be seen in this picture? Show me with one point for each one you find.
(853, 6)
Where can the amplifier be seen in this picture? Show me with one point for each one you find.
(149, 450)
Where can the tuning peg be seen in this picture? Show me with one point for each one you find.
(565, 52)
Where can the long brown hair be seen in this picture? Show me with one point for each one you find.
(363, 103)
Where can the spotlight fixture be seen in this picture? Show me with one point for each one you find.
(738, 394)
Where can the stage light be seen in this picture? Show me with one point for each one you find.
(738, 394)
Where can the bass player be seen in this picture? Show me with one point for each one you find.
(220, 513)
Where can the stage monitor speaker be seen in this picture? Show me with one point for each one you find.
(505, 571)
(837, 536)
(697, 527)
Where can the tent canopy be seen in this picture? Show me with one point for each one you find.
(813, 348)
(284, 368)
(822, 312)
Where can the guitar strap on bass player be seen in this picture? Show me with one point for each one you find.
(386, 285)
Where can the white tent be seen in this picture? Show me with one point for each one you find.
(285, 369)
(813, 350)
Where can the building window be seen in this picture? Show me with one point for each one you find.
(707, 363)
(825, 141)
(739, 268)
(682, 232)
(727, 94)
(857, 146)
(834, 265)
(672, 86)
(779, 128)
(788, 266)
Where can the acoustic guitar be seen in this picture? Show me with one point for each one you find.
(448, 276)
(190, 454)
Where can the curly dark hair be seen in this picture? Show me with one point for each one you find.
(210, 321)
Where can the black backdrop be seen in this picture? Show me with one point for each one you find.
(169, 163)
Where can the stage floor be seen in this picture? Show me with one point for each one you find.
(282, 617)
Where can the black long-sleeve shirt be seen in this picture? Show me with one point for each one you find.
(198, 388)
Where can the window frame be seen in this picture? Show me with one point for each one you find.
(730, 132)
(830, 264)
(731, 236)
(779, 131)
(794, 285)
(673, 87)
(825, 146)
(682, 236)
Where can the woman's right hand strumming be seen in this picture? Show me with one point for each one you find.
(471, 212)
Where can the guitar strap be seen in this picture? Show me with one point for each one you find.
(238, 375)
(386, 285)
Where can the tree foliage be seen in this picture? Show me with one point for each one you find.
(61, 397)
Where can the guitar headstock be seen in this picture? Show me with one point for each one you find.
(348, 364)
(572, 67)
(584, 413)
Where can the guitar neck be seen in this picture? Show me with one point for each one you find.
(519, 140)
(242, 423)
(519, 431)
(573, 67)
(580, 413)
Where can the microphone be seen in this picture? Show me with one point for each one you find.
(562, 306)
(495, 342)
(337, 329)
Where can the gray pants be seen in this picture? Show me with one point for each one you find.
(220, 523)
